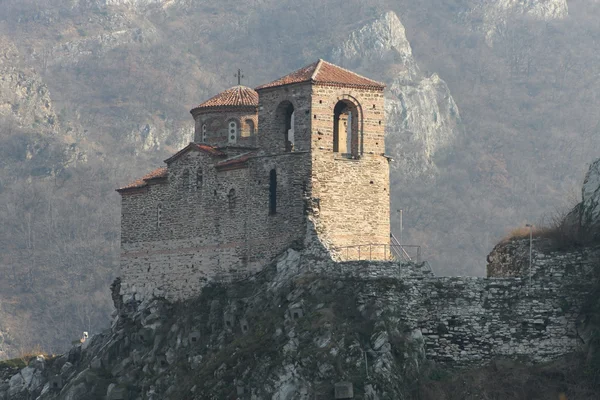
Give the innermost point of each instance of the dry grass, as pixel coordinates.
(560, 232)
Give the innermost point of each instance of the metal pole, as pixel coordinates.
(530, 250)
(401, 228)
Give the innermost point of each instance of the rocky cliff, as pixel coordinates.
(24, 97)
(422, 117)
(493, 16)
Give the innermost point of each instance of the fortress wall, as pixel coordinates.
(469, 321)
(194, 243)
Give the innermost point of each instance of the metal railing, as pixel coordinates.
(376, 251)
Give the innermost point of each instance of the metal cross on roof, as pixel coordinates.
(239, 76)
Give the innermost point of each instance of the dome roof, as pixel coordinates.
(237, 96)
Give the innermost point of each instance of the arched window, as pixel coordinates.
(199, 179)
(285, 119)
(158, 216)
(185, 180)
(345, 128)
(250, 124)
(290, 131)
(204, 133)
(231, 199)
(273, 192)
(232, 132)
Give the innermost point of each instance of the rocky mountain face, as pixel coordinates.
(590, 203)
(494, 16)
(24, 98)
(422, 117)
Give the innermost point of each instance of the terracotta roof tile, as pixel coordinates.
(195, 146)
(232, 97)
(325, 73)
(143, 182)
(236, 162)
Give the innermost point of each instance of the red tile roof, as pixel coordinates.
(232, 97)
(143, 182)
(325, 73)
(198, 147)
(234, 163)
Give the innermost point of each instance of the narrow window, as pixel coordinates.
(158, 216)
(250, 124)
(290, 132)
(231, 199)
(285, 124)
(199, 179)
(289, 129)
(273, 192)
(185, 180)
(233, 128)
(204, 133)
(345, 128)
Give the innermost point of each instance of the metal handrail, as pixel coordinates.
(372, 251)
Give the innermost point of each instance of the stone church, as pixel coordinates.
(302, 155)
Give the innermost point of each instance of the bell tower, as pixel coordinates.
(339, 119)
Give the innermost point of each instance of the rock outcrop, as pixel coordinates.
(422, 116)
(590, 199)
(492, 16)
(24, 97)
(382, 40)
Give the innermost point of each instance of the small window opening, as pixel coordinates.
(345, 128)
(203, 132)
(296, 316)
(250, 124)
(231, 199)
(199, 179)
(55, 385)
(159, 215)
(232, 132)
(185, 180)
(285, 116)
(194, 339)
(273, 192)
(228, 323)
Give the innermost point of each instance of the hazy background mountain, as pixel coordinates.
(492, 120)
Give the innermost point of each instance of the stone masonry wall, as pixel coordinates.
(352, 192)
(271, 118)
(205, 233)
(217, 128)
(469, 321)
